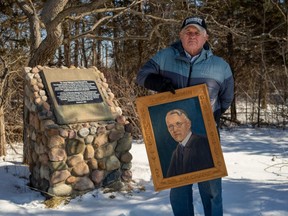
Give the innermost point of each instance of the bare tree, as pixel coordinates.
(2, 120)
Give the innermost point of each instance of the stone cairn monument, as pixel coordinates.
(75, 136)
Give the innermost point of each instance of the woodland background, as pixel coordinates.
(119, 36)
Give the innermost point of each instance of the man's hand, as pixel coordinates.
(167, 86)
(159, 83)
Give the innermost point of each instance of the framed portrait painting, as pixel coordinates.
(170, 120)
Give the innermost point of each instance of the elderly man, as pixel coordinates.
(187, 62)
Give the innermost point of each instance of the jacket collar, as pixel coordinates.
(206, 52)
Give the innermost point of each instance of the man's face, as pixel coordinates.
(178, 126)
(193, 40)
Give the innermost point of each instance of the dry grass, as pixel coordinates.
(56, 201)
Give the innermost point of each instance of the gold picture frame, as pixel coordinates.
(152, 110)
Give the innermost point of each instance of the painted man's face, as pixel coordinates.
(178, 126)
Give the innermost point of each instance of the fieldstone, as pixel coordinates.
(59, 176)
(40, 67)
(34, 121)
(105, 85)
(58, 165)
(34, 157)
(110, 126)
(61, 190)
(57, 154)
(37, 100)
(44, 185)
(64, 133)
(86, 124)
(27, 69)
(112, 177)
(71, 180)
(112, 163)
(48, 124)
(39, 148)
(52, 132)
(75, 146)
(93, 164)
(73, 160)
(113, 144)
(108, 89)
(83, 132)
(104, 92)
(115, 135)
(93, 130)
(33, 82)
(121, 120)
(89, 139)
(93, 124)
(33, 107)
(72, 134)
(44, 140)
(43, 159)
(83, 184)
(49, 114)
(36, 94)
(55, 141)
(104, 151)
(111, 96)
(97, 176)
(116, 185)
(124, 143)
(126, 157)
(42, 93)
(100, 140)
(126, 175)
(89, 152)
(109, 102)
(101, 130)
(80, 169)
(102, 164)
(35, 70)
(128, 128)
(119, 127)
(42, 115)
(40, 85)
(44, 172)
(33, 135)
(126, 166)
(37, 76)
(118, 110)
(44, 98)
(36, 171)
(46, 106)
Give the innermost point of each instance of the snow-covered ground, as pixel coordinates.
(257, 184)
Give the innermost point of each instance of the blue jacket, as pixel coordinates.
(173, 63)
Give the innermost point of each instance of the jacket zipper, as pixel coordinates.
(189, 77)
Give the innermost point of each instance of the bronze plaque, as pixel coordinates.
(77, 95)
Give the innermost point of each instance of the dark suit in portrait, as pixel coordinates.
(195, 156)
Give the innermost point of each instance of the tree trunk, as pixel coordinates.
(48, 47)
(76, 46)
(2, 133)
(26, 141)
(67, 51)
(230, 45)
